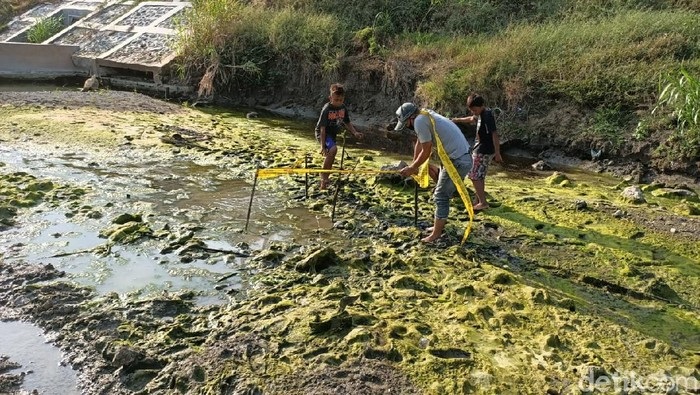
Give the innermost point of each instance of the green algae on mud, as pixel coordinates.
(555, 280)
(21, 190)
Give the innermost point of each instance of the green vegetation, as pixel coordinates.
(231, 42)
(603, 57)
(44, 29)
(682, 94)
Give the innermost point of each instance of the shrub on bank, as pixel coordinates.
(617, 61)
(229, 42)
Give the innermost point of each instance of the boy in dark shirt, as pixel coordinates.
(487, 146)
(334, 116)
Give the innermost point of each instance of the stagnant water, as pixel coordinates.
(25, 344)
(176, 191)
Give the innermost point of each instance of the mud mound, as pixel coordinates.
(104, 100)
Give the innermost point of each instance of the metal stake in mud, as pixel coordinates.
(342, 153)
(415, 204)
(306, 177)
(339, 184)
(250, 203)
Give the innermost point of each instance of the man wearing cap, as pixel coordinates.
(424, 123)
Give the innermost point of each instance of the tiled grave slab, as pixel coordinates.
(93, 43)
(145, 15)
(108, 14)
(148, 49)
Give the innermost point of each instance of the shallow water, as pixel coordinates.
(176, 192)
(25, 344)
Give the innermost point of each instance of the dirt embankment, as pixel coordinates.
(543, 126)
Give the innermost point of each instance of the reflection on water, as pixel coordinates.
(167, 193)
(24, 344)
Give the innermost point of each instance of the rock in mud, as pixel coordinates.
(633, 194)
(318, 260)
(541, 166)
(558, 178)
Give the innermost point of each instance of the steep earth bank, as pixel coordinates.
(543, 126)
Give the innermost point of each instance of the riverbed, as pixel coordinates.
(128, 249)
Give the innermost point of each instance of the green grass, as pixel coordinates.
(570, 59)
(230, 42)
(44, 29)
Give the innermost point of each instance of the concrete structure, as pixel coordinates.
(20, 60)
(124, 42)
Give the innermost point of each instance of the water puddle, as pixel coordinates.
(175, 192)
(25, 344)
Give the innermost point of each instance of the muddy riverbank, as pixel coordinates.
(565, 285)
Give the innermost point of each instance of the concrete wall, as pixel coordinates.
(28, 61)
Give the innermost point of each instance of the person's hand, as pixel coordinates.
(498, 158)
(323, 151)
(358, 135)
(408, 171)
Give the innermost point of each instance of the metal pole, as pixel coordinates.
(342, 153)
(250, 203)
(339, 184)
(335, 199)
(306, 176)
(415, 204)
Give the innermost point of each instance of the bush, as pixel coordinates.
(235, 44)
(570, 59)
(681, 93)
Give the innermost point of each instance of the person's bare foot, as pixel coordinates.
(430, 238)
(324, 184)
(481, 206)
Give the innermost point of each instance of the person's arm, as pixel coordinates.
(465, 120)
(354, 131)
(497, 146)
(490, 122)
(423, 151)
(321, 126)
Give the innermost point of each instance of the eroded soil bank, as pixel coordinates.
(565, 286)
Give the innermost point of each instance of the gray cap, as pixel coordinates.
(403, 113)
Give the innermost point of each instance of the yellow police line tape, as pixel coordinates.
(422, 178)
(454, 176)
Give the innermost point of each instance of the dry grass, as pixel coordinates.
(11, 8)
